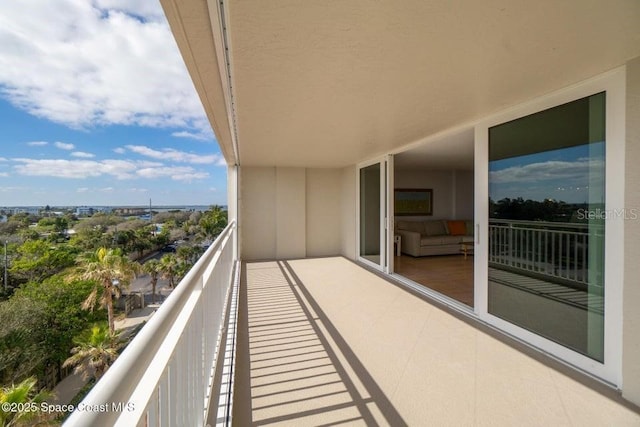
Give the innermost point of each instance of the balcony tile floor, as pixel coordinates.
(326, 342)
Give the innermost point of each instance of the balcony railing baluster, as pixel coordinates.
(166, 373)
(549, 248)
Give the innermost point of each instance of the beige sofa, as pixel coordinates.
(433, 237)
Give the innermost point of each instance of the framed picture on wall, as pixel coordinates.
(413, 202)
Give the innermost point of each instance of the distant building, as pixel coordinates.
(84, 211)
(27, 210)
(130, 211)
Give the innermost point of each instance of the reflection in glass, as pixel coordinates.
(370, 213)
(546, 223)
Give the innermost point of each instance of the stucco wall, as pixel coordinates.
(631, 291)
(324, 212)
(348, 234)
(257, 213)
(290, 212)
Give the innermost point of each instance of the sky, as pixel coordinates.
(572, 175)
(97, 108)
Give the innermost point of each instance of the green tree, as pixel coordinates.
(111, 271)
(187, 254)
(39, 323)
(38, 259)
(169, 266)
(63, 313)
(28, 399)
(213, 221)
(141, 240)
(96, 349)
(90, 239)
(22, 352)
(29, 234)
(21, 218)
(161, 238)
(153, 268)
(122, 239)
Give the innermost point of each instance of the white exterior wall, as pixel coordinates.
(631, 290)
(257, 213)
(348, 191)
(290, 212)
(324, 213)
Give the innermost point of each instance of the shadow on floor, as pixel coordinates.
(293, 366)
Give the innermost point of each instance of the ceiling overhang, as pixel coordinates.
(331, 83)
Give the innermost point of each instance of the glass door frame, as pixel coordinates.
(613, 83)
(386, 213)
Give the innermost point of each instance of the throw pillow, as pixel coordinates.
(457, 228)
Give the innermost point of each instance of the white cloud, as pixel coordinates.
(3, 159)
(37, 143)
(107, 190)
(119, 150)
(4, 174)
(103, 62)
(176, 173)
(119, 169)
(190, 176)
(64, 145)
(83, 154)
(82, 190)
(175, 155)
(576, 171)
(202, 136)
(57, 168)
(148, 164)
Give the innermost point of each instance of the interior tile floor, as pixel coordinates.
(325, 342)
(450, 275)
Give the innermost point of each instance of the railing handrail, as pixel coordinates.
(122, 378)
(549, 224)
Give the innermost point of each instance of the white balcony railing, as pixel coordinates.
(555, 250)
(165, 375)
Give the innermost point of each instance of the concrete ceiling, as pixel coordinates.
(329, 83)
(451, 152)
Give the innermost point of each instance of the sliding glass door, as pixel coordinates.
(373, 214)
(550, 214)
(546, 238)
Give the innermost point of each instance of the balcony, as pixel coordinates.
(324, 342)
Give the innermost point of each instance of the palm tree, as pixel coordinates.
(141, 240)
(169, 265)
(153, 268)
(111, 271)
(96, 349)
(213, 222)
(26, 400)
(188, 254)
